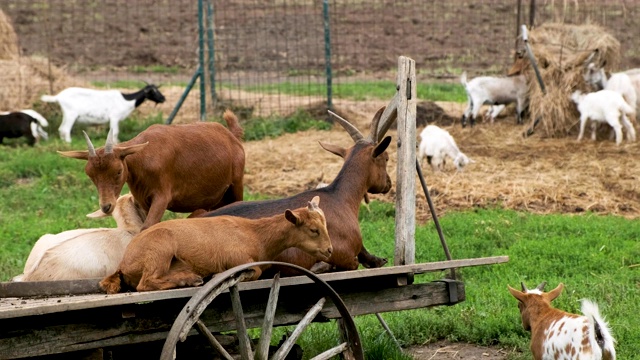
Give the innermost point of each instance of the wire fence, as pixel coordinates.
(280, 55)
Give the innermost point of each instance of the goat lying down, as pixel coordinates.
(85, 253)
(181, 252)
(556, 334)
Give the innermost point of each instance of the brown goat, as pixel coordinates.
(181, 168)
(182, 252)
(364, 170)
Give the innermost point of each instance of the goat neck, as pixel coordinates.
(139, 97)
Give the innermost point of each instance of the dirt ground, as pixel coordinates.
(445, 350)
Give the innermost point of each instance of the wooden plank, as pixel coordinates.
(405, 172)
(97, 328)
(48, 288)
(12, 307)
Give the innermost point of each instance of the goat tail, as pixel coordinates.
(49, 98)
(601, 330)
(463, 79)
(628, 109)
(112, 283)
(233, 124)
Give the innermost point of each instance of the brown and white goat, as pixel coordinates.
(181, 168)
(182, 252)
(364, 170)
(558, 335)
(85, 253)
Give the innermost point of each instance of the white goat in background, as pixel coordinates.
(85, 253)
(436, 144)
(494, 91)
(620, 82)
(95, 107)
(605, 106)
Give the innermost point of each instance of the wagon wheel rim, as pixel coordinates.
(228, 280)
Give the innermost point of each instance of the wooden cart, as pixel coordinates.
(74, 320)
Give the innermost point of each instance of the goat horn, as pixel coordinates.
(92, 150)
(541, 286)
(352, 130)
(108, 146)
(524, 287)
(374, 125)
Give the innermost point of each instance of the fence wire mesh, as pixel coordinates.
(271, 56)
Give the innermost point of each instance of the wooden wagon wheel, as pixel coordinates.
(351, 348)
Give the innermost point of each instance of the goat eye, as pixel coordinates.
(315, 231)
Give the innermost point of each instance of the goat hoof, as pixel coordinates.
(321, 267)
(374, 262)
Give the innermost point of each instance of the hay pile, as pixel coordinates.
(24, 79)
(562, 53)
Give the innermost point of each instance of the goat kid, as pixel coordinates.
(27, 123)
(181, 168)
(494, 91)
(96, 107)
(436, 144)
(364, 170)
(606, 106)
(85, 253)
(182, 252)
(558, 335)
(619, 82)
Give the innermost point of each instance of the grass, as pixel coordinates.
(596, 257)
(365, 90)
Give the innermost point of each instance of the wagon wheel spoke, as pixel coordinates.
(350, 348)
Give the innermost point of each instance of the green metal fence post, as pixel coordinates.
(203, 109)
(327, 52)
(210, 43)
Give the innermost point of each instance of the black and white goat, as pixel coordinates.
(96, 107)
(27, 123)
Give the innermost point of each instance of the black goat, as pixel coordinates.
(18, 124)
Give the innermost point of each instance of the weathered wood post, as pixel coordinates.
(406, 173)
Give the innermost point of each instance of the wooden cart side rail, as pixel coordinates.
(15, 307)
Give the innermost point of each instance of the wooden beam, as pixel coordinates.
(405, 173)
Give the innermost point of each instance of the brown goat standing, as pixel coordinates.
(181, 168)
(364, 170)
(182, 252)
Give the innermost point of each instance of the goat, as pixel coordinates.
(182, 252)
(85, 253)
(436, 144)
(618, 82)
(494, 91)
(181, 168)
(556, 334)
(96, 107)
(364, 170)
(27, 123)
(604, 106)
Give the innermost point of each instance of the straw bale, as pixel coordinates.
(562, 52)
(8, 39)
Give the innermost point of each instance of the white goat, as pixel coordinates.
(85, 253)
(605, 106)
(619, 82)
(493, 91)
(95, 107)
(558, 335)
(436, 144)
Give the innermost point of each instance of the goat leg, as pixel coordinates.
(369, 260)
(321, 267)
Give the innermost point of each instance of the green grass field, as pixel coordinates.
(596, 257)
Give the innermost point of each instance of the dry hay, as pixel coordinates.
(539, 175)
(8, 39)
(562, 53)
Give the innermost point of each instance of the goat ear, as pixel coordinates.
(97, 214)
(313, 204)
(334, 149)
(76, 154)
(517, 294)
(382, 146)
(289, 215)
(129, 150)
(551, 295)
